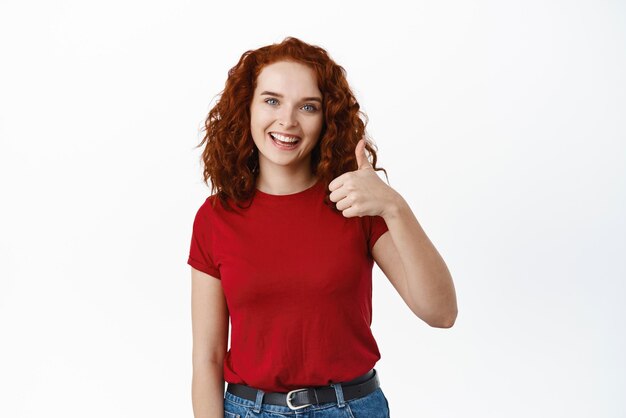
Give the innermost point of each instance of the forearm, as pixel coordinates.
(207, 391)
(428, 279)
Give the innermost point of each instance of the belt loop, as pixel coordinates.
(259, 400)
(339, 393)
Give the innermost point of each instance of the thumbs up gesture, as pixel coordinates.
(362, 192)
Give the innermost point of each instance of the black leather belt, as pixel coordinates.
(301, 398)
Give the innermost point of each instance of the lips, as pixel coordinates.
(284, 136)
(284, 145)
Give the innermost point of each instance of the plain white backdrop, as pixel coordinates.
(502, 123)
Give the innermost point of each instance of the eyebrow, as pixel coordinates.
(311, 99)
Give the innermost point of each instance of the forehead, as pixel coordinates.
(287, 78)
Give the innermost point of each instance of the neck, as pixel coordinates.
(285, 185)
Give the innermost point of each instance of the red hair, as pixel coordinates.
(230, 157)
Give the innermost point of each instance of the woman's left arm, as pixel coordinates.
(423, 279)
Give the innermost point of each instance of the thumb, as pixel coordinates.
(361, 157)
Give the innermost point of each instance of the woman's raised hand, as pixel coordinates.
(362, 192)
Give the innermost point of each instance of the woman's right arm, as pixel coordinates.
(209, 318)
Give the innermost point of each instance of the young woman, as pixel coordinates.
(284, 247)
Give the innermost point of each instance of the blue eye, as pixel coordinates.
(313, 108)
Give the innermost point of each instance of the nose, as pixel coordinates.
(287, 118)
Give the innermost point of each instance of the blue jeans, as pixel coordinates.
(373, 405)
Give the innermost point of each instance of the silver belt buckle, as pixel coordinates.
(289, 400)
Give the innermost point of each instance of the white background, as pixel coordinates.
(502, 123)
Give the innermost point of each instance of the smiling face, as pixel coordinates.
(286, 106)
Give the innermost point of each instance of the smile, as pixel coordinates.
(284, 142)
(284, 138)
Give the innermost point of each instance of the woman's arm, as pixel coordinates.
(423, 280)
(414, 266)
(207, 391)
(209, 317)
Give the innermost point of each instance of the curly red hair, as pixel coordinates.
(230, 158)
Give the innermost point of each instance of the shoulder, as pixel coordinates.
(214, 207)
(210, 204)
(206, 205)
(206, 209)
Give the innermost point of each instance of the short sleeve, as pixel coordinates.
(376, 227)
(200, 251)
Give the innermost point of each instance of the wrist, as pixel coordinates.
(394, 206)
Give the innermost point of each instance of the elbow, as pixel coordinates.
(437, 317)
(446, 321)
(443, 324)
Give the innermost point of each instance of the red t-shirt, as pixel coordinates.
(297, 278)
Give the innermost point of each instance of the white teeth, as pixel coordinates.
(283, 138)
